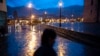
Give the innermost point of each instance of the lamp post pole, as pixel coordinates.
(45, 16)
(60, 5)
(30, 6)
(60, 17)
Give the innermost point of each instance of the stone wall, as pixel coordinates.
(84, 38)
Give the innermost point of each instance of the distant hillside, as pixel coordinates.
(76, 10)
(22, 11)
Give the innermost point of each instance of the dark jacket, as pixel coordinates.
(45, 51)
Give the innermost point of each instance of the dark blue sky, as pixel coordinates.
(43, 4)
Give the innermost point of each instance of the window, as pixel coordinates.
(1, 1)
(91, 2)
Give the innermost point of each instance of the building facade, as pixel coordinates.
(3, 16)
(99, 9)
(3, 28)
(91, 11)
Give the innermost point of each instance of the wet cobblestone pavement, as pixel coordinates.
(24, 40)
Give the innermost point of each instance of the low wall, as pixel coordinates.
(87, 39)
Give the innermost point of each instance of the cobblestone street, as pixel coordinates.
(24, 40)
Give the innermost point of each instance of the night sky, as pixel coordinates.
(43, 4)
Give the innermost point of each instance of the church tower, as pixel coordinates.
(91, 11)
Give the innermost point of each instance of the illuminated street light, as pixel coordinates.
(30, 5)
(45, 16)
(72, 16)
(45, 12)
(32, 16)
(60, 5)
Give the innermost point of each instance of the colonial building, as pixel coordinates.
(91, 11)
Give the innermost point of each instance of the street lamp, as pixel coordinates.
(72, 16)
(32, 16)
(60, 5)
(45, 12)
(45, 16)
(30, 6)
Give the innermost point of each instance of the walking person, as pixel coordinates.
(47, 41)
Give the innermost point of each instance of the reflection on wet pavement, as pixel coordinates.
(69, 48)
(24, 40)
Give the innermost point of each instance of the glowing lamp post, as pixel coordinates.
(45, 12)
(60, 5)
(32, 16)
(45, 16)
(30, 6)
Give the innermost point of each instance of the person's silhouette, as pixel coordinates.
(47, 41)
